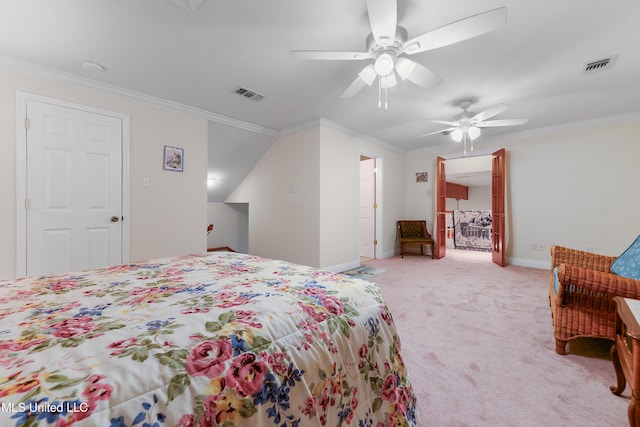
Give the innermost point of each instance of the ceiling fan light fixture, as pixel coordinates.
(404, 67)
(388, 81)
(474, 132)
(384, 64)
(457, 134)
(368, 75)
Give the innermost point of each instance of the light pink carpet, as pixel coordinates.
(478, 342)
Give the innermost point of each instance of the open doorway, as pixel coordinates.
(368, 206)
(470, 205)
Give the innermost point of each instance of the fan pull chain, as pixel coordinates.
(386, 95)
(465, 142)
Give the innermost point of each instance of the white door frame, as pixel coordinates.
(378, 229)
(21, 171)
(370, 192)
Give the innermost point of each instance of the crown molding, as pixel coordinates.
(300, 126)
(50, 74)
(569, 126)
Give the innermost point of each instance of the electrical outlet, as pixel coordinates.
(534, 246)
(540, 247)
(590, 248)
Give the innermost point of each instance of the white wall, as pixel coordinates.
(230, 226)
(282, 191)
(317, 222)
(339, 197)
(479, 199)
(167, 218)
(574, 187)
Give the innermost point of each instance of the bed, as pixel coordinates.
(217, 339)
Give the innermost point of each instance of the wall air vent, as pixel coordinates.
(249, 94)
(599, 65)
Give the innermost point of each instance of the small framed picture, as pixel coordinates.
(173, 159)
(422, 176)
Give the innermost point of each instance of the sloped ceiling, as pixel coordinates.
(198, 57)
(233, 152)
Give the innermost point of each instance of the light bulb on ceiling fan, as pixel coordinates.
(457, 134)
(474, 132)
(384, 64)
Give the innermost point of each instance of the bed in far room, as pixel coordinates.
(473, 230)
(218, 339)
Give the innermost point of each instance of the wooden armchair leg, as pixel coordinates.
(561, 347)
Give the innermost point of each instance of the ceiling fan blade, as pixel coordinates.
(366, 77)
(416, 73)
(505, 122)
(329, 55)
(457, 31)
(445, 122)
(383, 18)
(438, 131)
(490, 112)
(356, 86)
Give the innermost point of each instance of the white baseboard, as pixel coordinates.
(343, 267)
(388, 254)
(522, 262)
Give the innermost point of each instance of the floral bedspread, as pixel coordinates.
(219, 339)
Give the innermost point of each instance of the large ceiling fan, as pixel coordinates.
(466, 126)
(388, 44)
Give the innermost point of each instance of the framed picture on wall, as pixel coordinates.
(422, 176)
(173, 159)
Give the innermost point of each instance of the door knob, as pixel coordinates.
(115, 219)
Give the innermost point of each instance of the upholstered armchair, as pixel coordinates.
(414, 232)
(581, 291)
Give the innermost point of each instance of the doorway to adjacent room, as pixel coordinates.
(493, 172)
(368, 208)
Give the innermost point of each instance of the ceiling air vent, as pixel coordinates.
(599, 65)
(249, 94)
(189, 5)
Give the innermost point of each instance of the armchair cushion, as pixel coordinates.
(628, 264)
(411, 230)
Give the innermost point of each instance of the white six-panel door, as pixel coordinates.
(73, 189)
(367, 210)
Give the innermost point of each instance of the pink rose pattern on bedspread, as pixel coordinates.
(219, 339)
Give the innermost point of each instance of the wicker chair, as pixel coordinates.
(582, 300)
(414, 232)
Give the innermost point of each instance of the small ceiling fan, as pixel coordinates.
(388, 44)
(466, 125)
